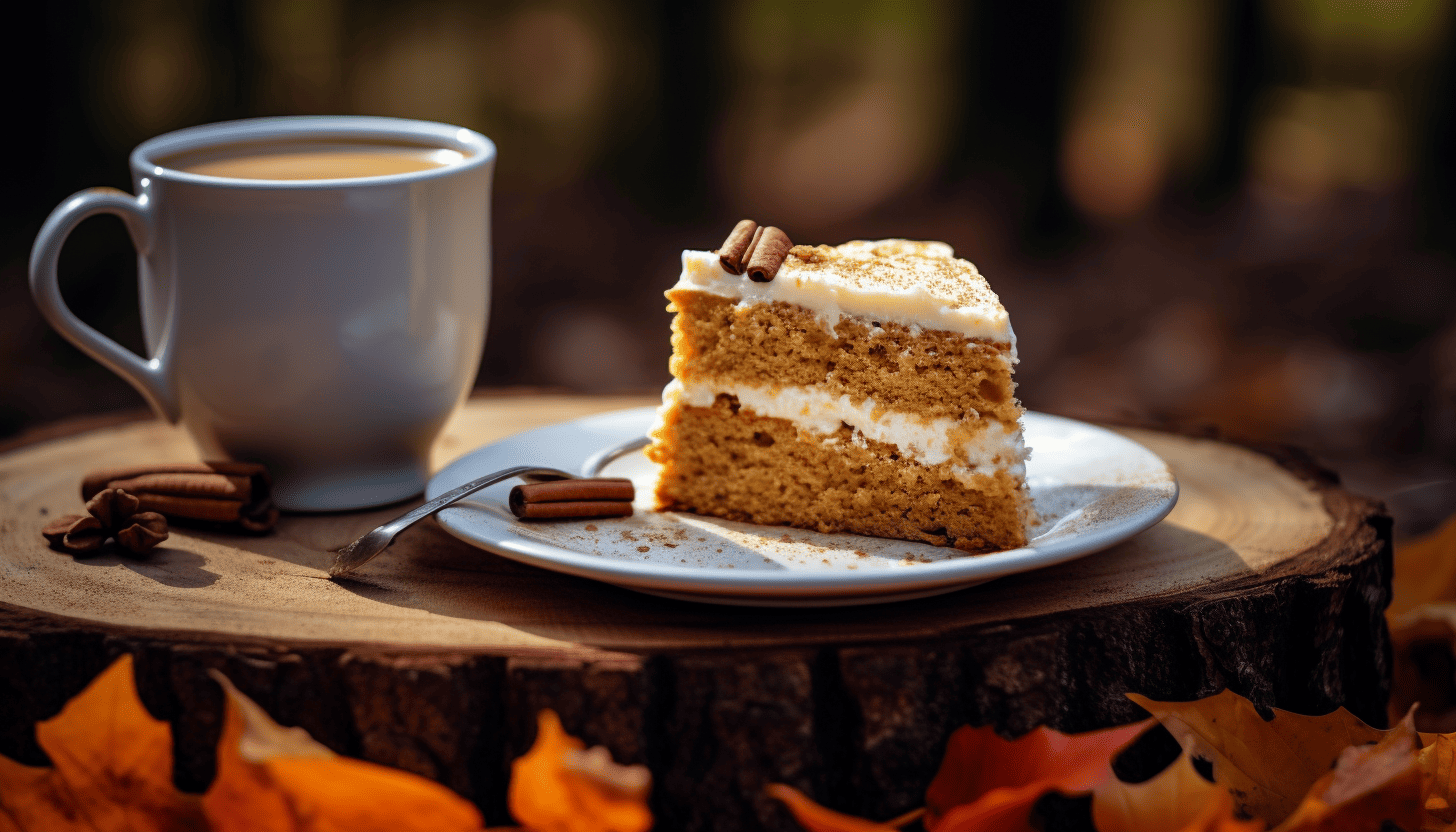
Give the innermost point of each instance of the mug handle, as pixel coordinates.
(151, 377)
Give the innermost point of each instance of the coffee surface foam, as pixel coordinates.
(293, 161)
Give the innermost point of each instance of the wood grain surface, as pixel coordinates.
(1267, 578)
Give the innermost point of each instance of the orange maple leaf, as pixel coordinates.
(1369, 786)
(817, 818)
(1267, 766)
(988, 783)
(1178, 799)
(1438, 781)
(276, 779)
(111, 767)
(561, 786)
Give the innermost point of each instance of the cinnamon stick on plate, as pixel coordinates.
(607, 497)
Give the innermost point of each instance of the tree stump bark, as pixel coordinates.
(1267, 579)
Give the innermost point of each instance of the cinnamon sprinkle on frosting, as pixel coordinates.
(906, 281)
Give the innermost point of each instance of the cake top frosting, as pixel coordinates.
(905, 281)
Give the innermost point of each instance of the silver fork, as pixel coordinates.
(359, 552)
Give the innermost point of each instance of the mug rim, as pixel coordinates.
(478, 150)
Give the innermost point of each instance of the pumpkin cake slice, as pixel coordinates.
(861, 388)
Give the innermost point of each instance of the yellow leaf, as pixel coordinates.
(1178, 799)
(816, 818)
(1371, 787)
(111, 767)
(1267, 766)
(276, 779)
(559, 786)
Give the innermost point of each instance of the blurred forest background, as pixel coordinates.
(1234, 213)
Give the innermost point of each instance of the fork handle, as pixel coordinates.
(531, 472)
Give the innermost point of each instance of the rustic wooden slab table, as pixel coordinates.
(1267, 578)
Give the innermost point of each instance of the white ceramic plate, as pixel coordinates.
(1092, 488)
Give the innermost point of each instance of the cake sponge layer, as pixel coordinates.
(727, 461)
(932, 373)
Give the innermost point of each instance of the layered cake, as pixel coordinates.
(862, 388)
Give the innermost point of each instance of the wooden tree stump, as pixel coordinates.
(1267, 579)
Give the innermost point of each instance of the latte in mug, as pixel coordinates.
(312, 160)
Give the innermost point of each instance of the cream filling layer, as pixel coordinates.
(996, 447)
(830, 299)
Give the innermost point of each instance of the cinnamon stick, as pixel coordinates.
(176, 484)
(219, 492)
(193, 508)
(252, 471)
(586, 508)
(752, 245)
(734, 250)
(771, 247)
(559, 491)
(605, 497)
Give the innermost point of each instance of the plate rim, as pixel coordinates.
(787, 584)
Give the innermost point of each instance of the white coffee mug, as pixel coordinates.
(323, 327)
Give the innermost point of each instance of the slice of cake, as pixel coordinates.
(862, 388)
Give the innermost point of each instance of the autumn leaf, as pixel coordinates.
(1438, 781)
(1003, 810)
(816, 818)
(1425, 570)
(988, 783)
(111, 767)
(1424, 642)
(1423, 627)
(33, 798)
(1267, 766)
(276, 779)
(1370, 786)
(1178, 799)
(561, 786)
